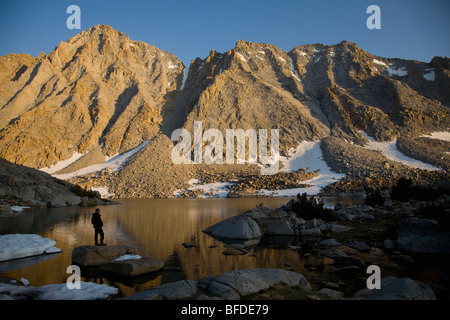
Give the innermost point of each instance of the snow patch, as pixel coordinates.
(390, 151)
(15, 246)
(128, 257)
(87, 291)
(379, 62)
(308, 155)
(294, 72)
(302, 53)
(185, 76)
(104, 192)
(210, 190)
(430, 75)
(392, 70)
(172, 66)
(441, 135)
(62, 164)
(241, 57)
(19, 208)
(113, 163)
(395, 71)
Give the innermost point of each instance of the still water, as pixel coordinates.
(156, 228)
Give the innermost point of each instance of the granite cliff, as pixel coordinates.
(100, 95)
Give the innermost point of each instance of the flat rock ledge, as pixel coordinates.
(97, 255)
(133, 267)
(104, 256)
(232, 285)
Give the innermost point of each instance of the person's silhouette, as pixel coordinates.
(98, 224)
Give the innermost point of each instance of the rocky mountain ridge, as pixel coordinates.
(101, 94)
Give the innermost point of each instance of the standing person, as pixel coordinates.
(98, 224)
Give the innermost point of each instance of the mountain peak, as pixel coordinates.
(100, 93)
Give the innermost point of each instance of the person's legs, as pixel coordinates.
(102, 235)
(96, 236)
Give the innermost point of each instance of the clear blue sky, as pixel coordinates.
(410, 29)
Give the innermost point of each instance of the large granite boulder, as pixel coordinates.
(231, 285)
(238, 283)
(244, 229)
(98, 255)
(393, 288)
(422, 236)
(133, 267)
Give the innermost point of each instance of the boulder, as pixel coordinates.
(243, 229)
(276, 226)
(341, 258)
(422, 236)
(361, 246)
(238, 283)
(330, 243)
(313, 232)
(97, 255)
(334, 227)
(133, 267)
(330, 294)
(182, 289)
(393, 288)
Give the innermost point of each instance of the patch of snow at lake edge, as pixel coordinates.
(19, 208)
(15, 246)
(104, 192)
(87, 291)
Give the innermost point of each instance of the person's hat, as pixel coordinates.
(97, 210)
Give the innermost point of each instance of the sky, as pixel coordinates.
(410, 29)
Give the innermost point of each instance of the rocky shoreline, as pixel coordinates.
(401, 237)
(26, 188)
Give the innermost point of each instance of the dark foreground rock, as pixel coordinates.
(98, 255)
(393, 288)
(133, 267)
(232, 285)
(422, 236)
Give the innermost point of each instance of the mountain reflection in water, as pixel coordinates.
(156, 228)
